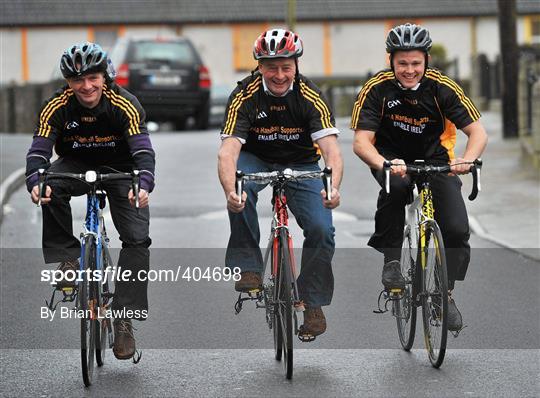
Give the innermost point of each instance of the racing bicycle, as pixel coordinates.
(423, 263)
(92, 297)
(279, 295)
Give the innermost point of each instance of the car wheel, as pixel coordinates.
(202, 117)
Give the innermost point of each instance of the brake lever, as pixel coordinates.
(386, 167)
(135, 183)
(477, 187)
(239, 184)
(326, 176)
(42, 188)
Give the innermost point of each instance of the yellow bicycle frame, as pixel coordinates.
(427, 213)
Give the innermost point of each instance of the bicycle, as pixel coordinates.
(93, 297)
(279, 295)
(423, 263)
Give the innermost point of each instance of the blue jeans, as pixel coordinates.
(316, 281)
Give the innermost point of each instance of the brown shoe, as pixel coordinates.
(124, 341)
(248, 281)
(65, 266)
(314, 324)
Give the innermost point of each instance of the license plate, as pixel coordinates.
(160, 80)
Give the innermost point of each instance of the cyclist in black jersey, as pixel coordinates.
(409, 113)
(94, 124)
(276, 119)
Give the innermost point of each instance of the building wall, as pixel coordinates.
(358, 48)
(455, 35)
(149, 31)
(335, 48)
(487, 37)
(45, 47)
(10, 55)
(214, 43)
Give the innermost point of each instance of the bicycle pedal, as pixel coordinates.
(253, 293)
(306, 338)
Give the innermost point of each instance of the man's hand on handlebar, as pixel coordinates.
(460, 166)
(233, 202)
(334, 202)
(143, 198)
(34, 194)
(398, 168)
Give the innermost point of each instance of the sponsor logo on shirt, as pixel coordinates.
(261, 115)
(390, 104)
(71, 125)
(409, 124)
(88, 119)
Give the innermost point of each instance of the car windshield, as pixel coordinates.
(163, 51)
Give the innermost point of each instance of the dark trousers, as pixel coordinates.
(450, 214)
(59, 244)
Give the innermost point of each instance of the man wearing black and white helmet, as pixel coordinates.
(276, 119)
(409, 113)
(94, 124)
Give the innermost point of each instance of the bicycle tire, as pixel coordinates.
(405, 308)
(435, 295)
(278, 336)
(276, 321)
(103, 325)
(285, 302)
(87, 297)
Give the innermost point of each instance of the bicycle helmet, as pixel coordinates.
(408, 37)
(83, 58)
(277, 43)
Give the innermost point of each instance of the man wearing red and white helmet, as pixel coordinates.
(276, 119)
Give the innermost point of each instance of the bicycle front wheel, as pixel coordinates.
(283, 299)
(103, 325)
(405, 308)
(88, 301)
(435, 294)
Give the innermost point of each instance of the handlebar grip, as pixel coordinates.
(239, 184)
(327, 182)
(386, 168)
(42, 188)
(477, 187)
(135, 185)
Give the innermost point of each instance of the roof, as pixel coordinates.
(84, 12)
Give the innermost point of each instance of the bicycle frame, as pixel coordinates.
(280, 220)
(419, 212)
(94, 225)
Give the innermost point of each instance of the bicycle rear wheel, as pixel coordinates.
(435, 294)
(87, 303)
(284, 302)
(405, 308)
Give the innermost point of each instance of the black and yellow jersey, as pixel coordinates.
(279, 129)
(413, 124)
(114, 132)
